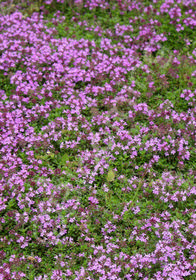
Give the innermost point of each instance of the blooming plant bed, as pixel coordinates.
(97, 140)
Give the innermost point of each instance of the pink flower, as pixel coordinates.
(93, 200)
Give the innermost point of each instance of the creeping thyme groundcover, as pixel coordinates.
(98, 140)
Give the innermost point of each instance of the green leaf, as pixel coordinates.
(64, 159)
(110, 176)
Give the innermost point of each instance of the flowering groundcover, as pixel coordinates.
(98, 140)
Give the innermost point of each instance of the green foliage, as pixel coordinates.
(5, 84)
(113, 200)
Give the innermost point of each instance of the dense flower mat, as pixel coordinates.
(97, 141)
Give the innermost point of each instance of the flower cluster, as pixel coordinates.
(119, 101)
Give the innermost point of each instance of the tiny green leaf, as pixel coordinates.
(110, 176)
